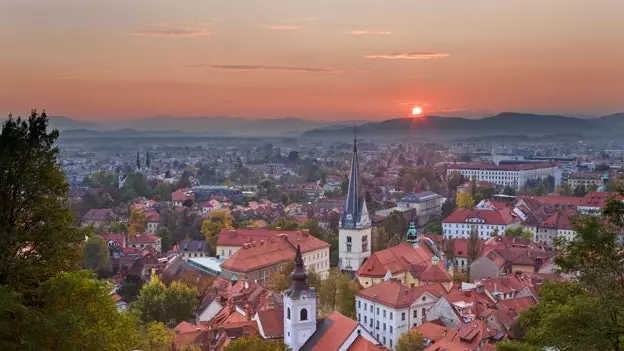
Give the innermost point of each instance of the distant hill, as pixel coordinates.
(507, 123)
(214, 126)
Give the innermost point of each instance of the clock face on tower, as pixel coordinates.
(349, 216)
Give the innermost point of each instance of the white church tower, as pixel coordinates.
(299, 308)
(354, 234)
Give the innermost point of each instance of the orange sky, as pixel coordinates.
(322, 59)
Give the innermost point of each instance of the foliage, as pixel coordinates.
(284, 224)
(381, 240)
(474, 247)
(162, 192)
(411, 341)
(511, 345)
(219, 220)
(449, 249)
(200, 282)
(158, 337)
(434, 227)
(165, 238)
(603, 167)
(337, 293)
(509, 191)
(135, 186)
(118, 227)
(170, 305)
(580, 191)
(138, 220)
(257, 344)
(586, 312)
(96, 254)
(102, 180)
(519, 232)
(281, 281)
(395, 240)
(447, 208)
(395, 223)
(79, 308)
(130, 287)
(464, 200)
(564, 189)
(37, 236)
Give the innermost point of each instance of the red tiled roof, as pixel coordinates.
(239, 237)
(143, 238)
(153, 217)
(434, 332)
(340, 329)
(503, 284)
(272, 322)
(394, 259)
(562, 219)
(435, 273)
(116, 238)
(493, 167)
(182, 195)
(502, 217)
(362, 344)
(446, 345)
(99, 215)
(394, 294)
(270, 252)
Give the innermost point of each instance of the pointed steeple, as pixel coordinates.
(148, 162)
(354, 214)
(299, 276)
(138, 162)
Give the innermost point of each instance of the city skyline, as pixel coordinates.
(315, 60)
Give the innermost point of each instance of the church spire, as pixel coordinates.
(352, 206)
(138, 162)
(299, 276)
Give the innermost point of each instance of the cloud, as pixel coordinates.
(409, 56)
(282, 27)
(368, 32)
(271, 68)
(173, 30)
(300, 19)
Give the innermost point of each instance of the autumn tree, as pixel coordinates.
(158, 337)
(96, 255)
(464, 200)
(257, 344)
(219, 220)
(411, 341)
(519, 232)
(449, 249)
(203, 284)
(138, 220)
(337, 293)
(380, 239)
(169, 305)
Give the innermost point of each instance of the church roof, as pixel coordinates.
(355, 214)
(299, 277)
(331, 333)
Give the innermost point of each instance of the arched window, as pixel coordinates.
(303, 315)
(288, 313)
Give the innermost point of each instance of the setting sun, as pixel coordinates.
(417, 111)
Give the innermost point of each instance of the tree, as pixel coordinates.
(158, 337)
(165, 238)
(138, 220)
(211, 227)
(586, 312)
(395, 223)
(509, 191)
(200, 282)
(494, 233)
(281, 281)
(447, 208)
(130, 287)
(580, 191)
(434, 227)
(449, 249)
(170, 305)
(381, 240)
(474, 247)
(293, 156)
(37, 236)
(96, 255)
(337, 293)
(257, 344)
(80, 308)
(162, 192)
(564, 189)
(464, 200)
(118, 227)
(395, 240)
(519, 232)
(411, 341)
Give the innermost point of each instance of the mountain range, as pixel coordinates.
(507, 123)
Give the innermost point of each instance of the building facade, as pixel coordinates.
(514, 175)
(461, 222)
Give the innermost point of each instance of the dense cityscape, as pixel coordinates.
(306, 244)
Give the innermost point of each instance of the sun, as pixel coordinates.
(417, 111)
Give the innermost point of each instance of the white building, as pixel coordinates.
(515, 176)
(390, 309)
(460, 223)
(354, 234)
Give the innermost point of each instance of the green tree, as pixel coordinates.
(586, 312)
(118, 227)
(257, 344)
(281, 281)
(509, 191)
(165, 238)
(381, 239)
(158, 337)
(96, 255)
(580, 191)
(447, 208)
(411, 341)
(395, 223)
(102, 180)
(170, 305)
(37, 236)
(162, 192)
(130, 287)
(337, 293)
(449, 249)
(519, 232)
(434, 227)
(79, 314)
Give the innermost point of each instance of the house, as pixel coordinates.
(153, 221)
(507, 260)
(461, 222)
(390, 308)
(461, 306)
(182, 196)
(193, 248)
(315, 251)
(260, 260)
(114, 241)
(145, 240)
(98, 217)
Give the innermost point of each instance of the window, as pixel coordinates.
(303, 315)
(384, 313)
(403, 316)
(384, 340)
(415, 314)
(348, 240)
(390, 343)
(378, 311)
(365, 319)
(384, 327)
(288, 313)
(390, 315)
(358, 317)
(377, 325)
(423, 312)
(359, 304)
(364, 306)
(371, 309)
(390, 329)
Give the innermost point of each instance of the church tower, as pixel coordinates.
(299, 308)
(354, 233)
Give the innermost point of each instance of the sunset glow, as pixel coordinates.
(417, 111)
(309, 59)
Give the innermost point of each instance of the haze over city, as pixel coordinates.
(323, 60)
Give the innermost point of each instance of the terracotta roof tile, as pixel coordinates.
(239, 237)
(272, 322)
(333, 332)
(362, 344)
(435, 273)
(491, 217)
(434, 332)
(394, 294)
(394, 259)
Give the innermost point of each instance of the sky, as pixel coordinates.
(315, 59)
